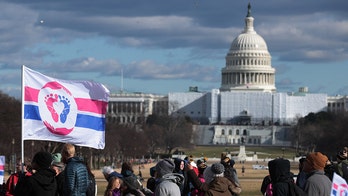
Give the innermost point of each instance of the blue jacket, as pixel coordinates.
(76, 177)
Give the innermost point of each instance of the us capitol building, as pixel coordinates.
(245, 109)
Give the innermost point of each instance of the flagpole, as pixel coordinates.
(22, 119)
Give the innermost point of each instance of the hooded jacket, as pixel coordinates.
(41, 183)
(220, 186)
(279, 170)
(169, 185)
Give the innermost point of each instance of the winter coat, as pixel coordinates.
(60, 184)
(220, 186)
(12, 182)
(76, 177)
(282, 179)
(169, 185)
(318, 184)
(265, 183)
(279, 170)
(41, 183)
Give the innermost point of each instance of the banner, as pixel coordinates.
(64, 111)
(339, 186)
(2, 168)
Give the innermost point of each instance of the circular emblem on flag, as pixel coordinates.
(342, 190)
(57, 108)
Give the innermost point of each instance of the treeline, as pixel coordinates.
(323, 131)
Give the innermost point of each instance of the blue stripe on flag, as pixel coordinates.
(90, 122)
(1, 173)
(82, 120)
(31, 112)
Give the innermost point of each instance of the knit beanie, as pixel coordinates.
(217, 168)
(57, 157)
(43, 159)
(164, 167)
(317, 160)
(208, 175)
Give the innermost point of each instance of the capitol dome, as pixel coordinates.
(248, 62)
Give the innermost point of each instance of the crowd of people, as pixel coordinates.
(67, 174)
(52, 175)
(314, 178)
(176, 177)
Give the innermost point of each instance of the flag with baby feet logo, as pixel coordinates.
(64, 110)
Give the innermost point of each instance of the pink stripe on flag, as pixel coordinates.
(2, 167)
(31, 94)
(89, 105)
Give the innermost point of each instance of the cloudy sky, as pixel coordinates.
(164, 46)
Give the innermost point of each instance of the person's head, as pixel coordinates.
(301, 163)
(315, 161)
(153, 171)
(107, 170)
(342, 154)
(163, 167)
(58, 167)
(130, 183)
(179, 164)
(279, 169)
(19, 165)
(214, 171)
(127, 166)
(201, 166)
(218, 169)
(42, 160)
(68, 152)
(114, 183)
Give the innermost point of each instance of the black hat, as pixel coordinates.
(43, 159)
(132, 183)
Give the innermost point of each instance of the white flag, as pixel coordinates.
(64, 111)
(339, 186)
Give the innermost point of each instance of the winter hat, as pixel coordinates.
(132, 183)
(317, 160)
(208, 175)
(107, 170)
(57, 157)
(42, 159)
(217, 168)
(164, 167)
(57, 160)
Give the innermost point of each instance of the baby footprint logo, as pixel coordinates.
(50, 101)
(66, 109)
(57, 108)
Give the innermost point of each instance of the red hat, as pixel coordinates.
(317, 160)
